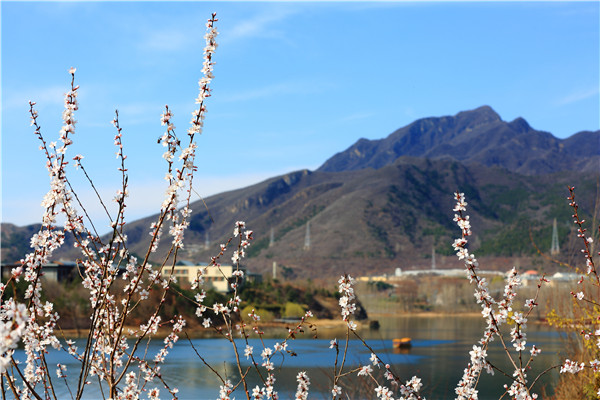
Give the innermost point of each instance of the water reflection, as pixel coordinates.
(439, 354)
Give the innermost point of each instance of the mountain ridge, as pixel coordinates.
(475, 136)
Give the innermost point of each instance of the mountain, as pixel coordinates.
(369, 221)
(372, 214)
(377, 220)
(15, 240)
(477, 136)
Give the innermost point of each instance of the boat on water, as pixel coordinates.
(403, 343)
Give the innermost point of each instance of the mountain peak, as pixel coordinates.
(473, 136)
(483, 114)
(520, 125)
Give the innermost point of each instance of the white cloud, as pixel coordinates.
(50, 95)
(185, 36)
(577, 96)
(260, 25)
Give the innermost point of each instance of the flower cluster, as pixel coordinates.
(408, 391)
(225, 390)
(107, 354)
(571, 367)
(495, 313)
(303, 384)
(346, 301)
(581, 233)
(34, 322)
(13, 320)
(587, 300)
(411, 389)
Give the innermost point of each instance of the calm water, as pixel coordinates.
(438, 356)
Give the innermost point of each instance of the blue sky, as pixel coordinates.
(294, 83)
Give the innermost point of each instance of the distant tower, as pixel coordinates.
(554, 250)
(307, 237)
(272, 239)
(274, 270)
(433, 258)
(206, 241)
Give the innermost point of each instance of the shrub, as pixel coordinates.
(262, 314)
(293, 310)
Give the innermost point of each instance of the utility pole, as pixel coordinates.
(554, 250)
(307, 237)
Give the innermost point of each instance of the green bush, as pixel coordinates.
(265, 315)
(293, 310)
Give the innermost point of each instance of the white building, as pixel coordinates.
(217, 278)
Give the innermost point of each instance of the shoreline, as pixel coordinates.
(196, 331)
(424, 314)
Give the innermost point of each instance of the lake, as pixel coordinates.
(439, 355)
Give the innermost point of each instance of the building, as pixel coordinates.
(564, 277)
(57, 271)
(217, 278)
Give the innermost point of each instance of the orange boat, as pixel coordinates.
(403, 343)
